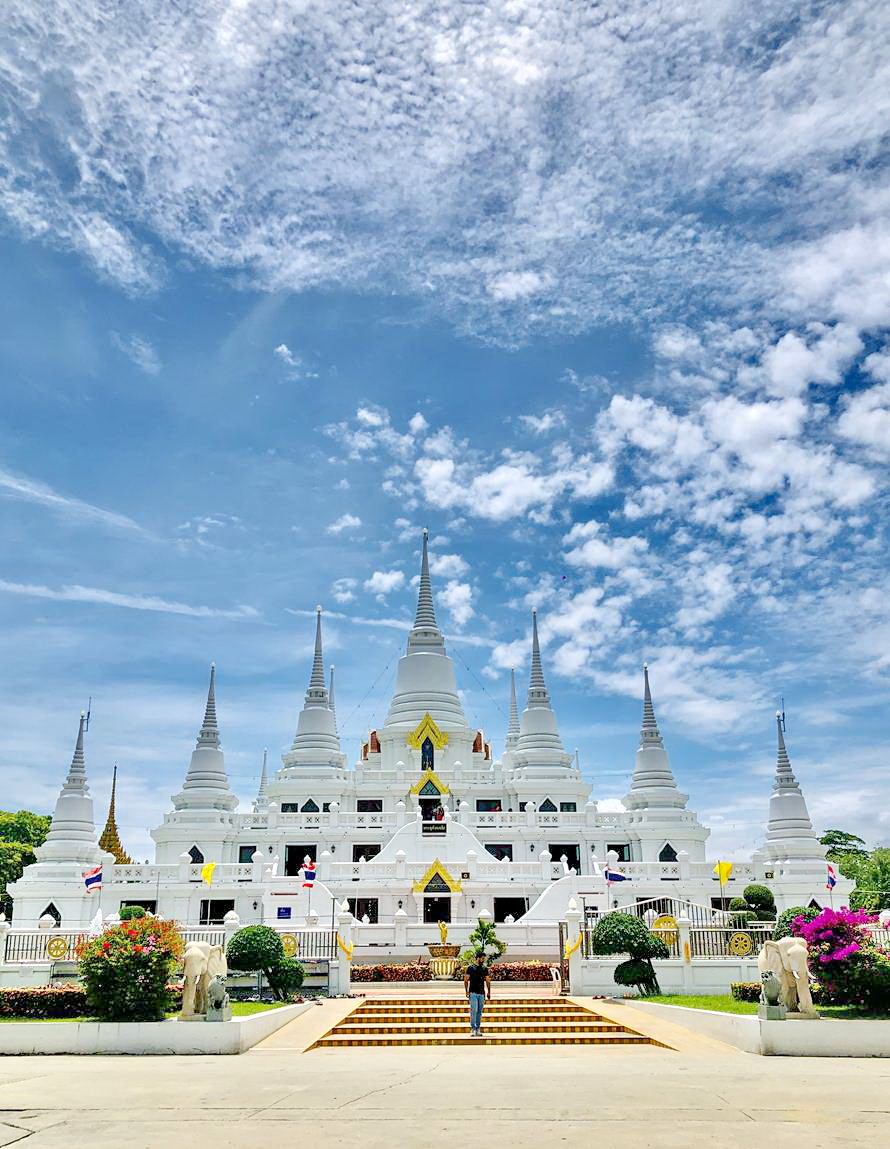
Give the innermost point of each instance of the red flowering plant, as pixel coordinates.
(125, 970)
(844, 962)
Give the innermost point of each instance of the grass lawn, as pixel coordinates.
(725, 1003)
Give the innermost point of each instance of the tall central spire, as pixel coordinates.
(316, 679)
(538, 694)
(784, 773)
(426, 610)
(513, 721)
(72, 834)
(209, 732)
(538, 733)
(649, 733)
(315, 743)
(789, 832)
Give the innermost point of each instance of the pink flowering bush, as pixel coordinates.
(845, 963)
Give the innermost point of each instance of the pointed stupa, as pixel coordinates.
(653, 783)
(425, 680)
(316, 742)
(789, 832)
(206, 785)
(110, 840)
(513, 721)
(72, 834)
(261, 802)
(331, 701)
(539, 738)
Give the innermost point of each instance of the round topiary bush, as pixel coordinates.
(286, 977)
(128, 913)
(125, 970)
(738, 904)
(617, 933)
(255, 948)
(760, 900)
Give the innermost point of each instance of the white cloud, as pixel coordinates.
(140, 350)
(417, 424)
(383, 583)
(513, 285)
(594, 551)
(342, 589)
(346, 522)
(457, 598)
(793, 363)
(34, 491)
(542, 424)
(296, 368)
(448, 565)
(101, 597)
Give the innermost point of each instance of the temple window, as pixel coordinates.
(310, 806)
(196, 856)
(213, 910)
(488, 805)
(500, 850)
(366, 850)
(547, 807)
(53, 913)
(245, 854)
(427, 754)
(369, 805)
(568, 807)
(571, 851)
(622, 849)
(667, 853)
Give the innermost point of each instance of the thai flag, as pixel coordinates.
(614, 875)
(92, 879)
(309, 875)
(832, 877)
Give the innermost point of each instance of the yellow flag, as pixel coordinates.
(723, 870)
(207, 872)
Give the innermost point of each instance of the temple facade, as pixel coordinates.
(428, 826)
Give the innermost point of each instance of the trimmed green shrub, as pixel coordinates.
(741, 918)
(617, 933)
(759, 898)
(128, 913)
(738, 904)
(286, 977)
(745, 990)
(259, 949)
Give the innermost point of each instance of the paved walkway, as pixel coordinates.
(528, 1098)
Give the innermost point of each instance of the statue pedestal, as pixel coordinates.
(771, 1012)
(443, 961)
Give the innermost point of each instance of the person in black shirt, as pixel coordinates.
(477, 983)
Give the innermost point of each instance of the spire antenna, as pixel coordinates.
(649, 733)
(513, 728)
(209, 732)
(536, 679)
(425, 618)
(316, 679)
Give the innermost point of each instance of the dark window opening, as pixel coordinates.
(310, 806)
(720, 903)
(293, 858)
(488, 805)
(622, 849)
(361, 906)
(427, 754)
(568, 807)
(572, 854)
(547, 807)
(213, 910)
(290, 807)
(500, 850)
(366, 850)
(509, 908)
(436, 909)
(245, 854)
(325, 807)
(196, 856)
(369, 805)
(53, 913)
(667, 853)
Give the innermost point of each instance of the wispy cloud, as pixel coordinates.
(346, 522)
(100, 597)
(34, 491)
(140, 350)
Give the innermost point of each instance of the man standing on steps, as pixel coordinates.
(477, 983)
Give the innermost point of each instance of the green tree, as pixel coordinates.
(872, 877)
(842, 845)
(20, 832)
(259, 948)
(618, 933)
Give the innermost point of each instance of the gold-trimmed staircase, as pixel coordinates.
(506, 1021)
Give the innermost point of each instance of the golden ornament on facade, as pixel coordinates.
(740, 945)
(57, 948)
(289, 944)
(666, 927)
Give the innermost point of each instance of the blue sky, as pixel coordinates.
(599, 295)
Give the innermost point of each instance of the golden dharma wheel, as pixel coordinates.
(289, 944)
(666, 928)
(57, 948)
(740, 945)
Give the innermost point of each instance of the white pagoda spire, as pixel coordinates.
(72, 834)
(206, 785)
(538, 733)
(513, 721)
(425, 680)
(261, 801)
(789, 832)
(316, 742)
(331, 702)
(653, 784)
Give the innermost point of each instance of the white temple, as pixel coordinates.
(427, 826)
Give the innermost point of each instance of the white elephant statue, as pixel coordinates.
(201, 963)
(786, 960)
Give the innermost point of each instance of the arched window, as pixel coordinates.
(310, 806)
(53, 913)
(427, 753)
(668, 853)
(196, 856)
(547, 807)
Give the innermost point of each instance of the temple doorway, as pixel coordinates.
(437, 909)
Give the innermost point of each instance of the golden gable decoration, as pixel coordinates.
(436, 870)
(427, 729)
(429, 777)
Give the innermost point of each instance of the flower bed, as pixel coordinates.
(420, 971)
(44, 1002)
(522, 971)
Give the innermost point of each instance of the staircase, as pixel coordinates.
(506, 1021)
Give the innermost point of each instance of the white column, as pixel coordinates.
(185, 862)
(472, 859)
(231, 924)
(5, 927)
(334, 815)
(400, 812)
(530, 819)
(256, 873)
(400, 922)
(573, 933)
(545, 860)
(401, 858)
(683, 864)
